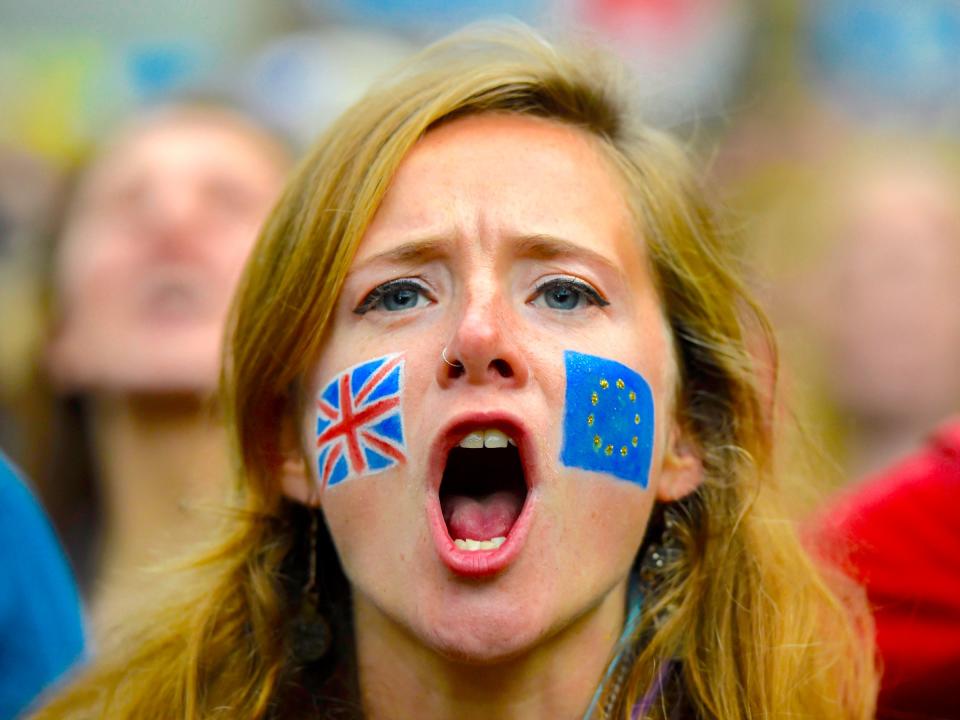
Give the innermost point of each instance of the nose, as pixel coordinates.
(486, 346)
(171, 219)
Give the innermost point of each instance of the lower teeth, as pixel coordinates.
(472, 545)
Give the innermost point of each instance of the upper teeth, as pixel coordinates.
(491, 438)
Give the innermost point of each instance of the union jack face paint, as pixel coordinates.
(359, 421)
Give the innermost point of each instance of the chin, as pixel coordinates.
(488, 643)
(168, 376)
(184, 364)
(484, 631)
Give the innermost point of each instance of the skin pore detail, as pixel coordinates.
(360, 421)
(608, 418)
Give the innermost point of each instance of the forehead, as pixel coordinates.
(492, 176)
(899, 182)
(186, 142)
(906, 205)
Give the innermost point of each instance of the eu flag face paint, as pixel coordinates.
(359, 421)
(608, 420)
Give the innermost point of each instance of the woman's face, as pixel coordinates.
(507, 241)
(153, 246)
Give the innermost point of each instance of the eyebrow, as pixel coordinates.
(416, 252)
(548, 247)
(538, 246)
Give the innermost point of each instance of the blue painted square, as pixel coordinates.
(608, 418)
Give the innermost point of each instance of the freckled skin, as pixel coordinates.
(475, 185)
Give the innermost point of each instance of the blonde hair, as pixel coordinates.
(749, 623)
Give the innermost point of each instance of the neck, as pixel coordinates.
(160, 460)
(399, 677)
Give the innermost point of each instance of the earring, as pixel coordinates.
(661, 554)
(312, 636)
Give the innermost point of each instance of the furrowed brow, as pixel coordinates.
(409, 254)
(548, 247)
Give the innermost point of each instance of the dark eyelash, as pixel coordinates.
(374, 296)
(574, 284)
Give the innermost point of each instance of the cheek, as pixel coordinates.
(234, 246)
(355, 422)
(364, 514)
(93, 265)
(609, 421)
(598, 524)
(616, 518)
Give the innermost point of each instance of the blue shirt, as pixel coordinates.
(41, 630)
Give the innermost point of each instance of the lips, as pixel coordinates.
(481, 494)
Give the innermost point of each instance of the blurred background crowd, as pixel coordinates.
(831, 127)
(141, 144)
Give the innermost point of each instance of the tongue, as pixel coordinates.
(481, 518)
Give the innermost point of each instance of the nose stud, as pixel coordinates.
(443, 355)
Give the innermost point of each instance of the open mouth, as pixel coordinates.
(483, 490)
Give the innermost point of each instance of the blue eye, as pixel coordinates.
(394, 296)
(567, 294)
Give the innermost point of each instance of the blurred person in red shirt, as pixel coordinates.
(899, 534)
(883, 304)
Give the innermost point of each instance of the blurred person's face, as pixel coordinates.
(507, 241)
(894, 307)
(153, 246)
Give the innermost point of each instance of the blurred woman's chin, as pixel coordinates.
(176, 361)
(173, 380)
(156, 376)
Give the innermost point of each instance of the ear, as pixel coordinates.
(682, 470)
(296, 481)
